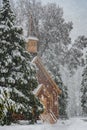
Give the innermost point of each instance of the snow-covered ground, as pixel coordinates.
(71, 124)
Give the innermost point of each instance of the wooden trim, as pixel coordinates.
(42, 86)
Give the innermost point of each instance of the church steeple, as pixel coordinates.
(32, 40)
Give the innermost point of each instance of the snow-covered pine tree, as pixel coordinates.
(63, 97)
(7, 106)
(17, 73)
(50, 60)
(54, 29)
(84, 91)
(74, 57)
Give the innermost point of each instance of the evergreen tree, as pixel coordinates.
(63, 97)
(84, 91)
(17, 73)
(7, 106)
(50, 60)
(74, 57)
(54, 29)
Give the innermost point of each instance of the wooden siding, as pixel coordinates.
(49, 87)
(32, 46)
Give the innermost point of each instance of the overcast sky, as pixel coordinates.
(75, 11)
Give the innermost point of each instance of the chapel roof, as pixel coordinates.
(38, 62)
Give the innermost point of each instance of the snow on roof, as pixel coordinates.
(32, 38)
(34, 59)
(36, 90)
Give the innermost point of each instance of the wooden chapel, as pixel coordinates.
(47, 90)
